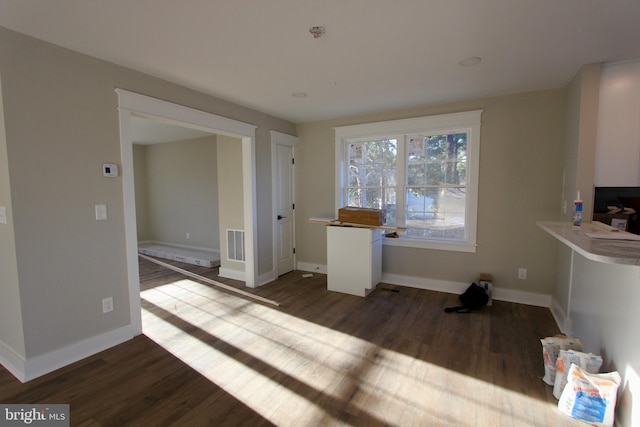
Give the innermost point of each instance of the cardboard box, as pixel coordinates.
(362, 216)
(486, 283)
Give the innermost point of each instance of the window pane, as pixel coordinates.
(417, 173)
(362, 197)
(435, 194)
(435, 174)
(436, 147)
(436, 213)
(371, 175)
(455, 172)
(430, 179)
(372, 163)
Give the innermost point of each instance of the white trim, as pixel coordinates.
(27, 370)
(411, 125)
(430, 244)
(313, 268)
(265, 278)
(228, 273)
(450, 287)
(560, 317)
(469, 122)
(499, 294)
(12, 362)
(177, 114)
(130, 103)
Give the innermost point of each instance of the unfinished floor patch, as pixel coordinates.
(200, 257)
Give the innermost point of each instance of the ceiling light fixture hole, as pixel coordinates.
(317, 32)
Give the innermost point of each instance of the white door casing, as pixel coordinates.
(130, 103)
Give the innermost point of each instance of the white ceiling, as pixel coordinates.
(376, 54)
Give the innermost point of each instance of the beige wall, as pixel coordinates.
(181, 193)
(230, 194)
(520, 183)
(61, 124)
(578, 168)
(11, 329)
(580, 140)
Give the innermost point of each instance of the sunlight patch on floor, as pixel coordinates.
(295, 372)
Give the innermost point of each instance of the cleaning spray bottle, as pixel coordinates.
(577, 211)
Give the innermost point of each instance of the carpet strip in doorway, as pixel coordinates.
(209, 281)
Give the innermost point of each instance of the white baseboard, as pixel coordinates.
(499, 294)
(313, 268)
(232, 274)
(265, 278)
(12, 361)
(560, 317)
(29, 369)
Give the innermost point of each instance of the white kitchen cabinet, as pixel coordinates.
(354, 259)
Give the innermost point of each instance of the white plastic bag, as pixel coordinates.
(590, 397)
(589, 362)
(551, 347)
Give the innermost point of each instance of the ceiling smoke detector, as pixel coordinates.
(317, 32)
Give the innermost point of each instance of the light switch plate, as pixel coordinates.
(3, 215)
(109, 170)
(101, 212)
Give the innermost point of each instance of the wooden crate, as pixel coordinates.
(363, 216)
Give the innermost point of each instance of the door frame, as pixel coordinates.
(279, 138)
(134, 104)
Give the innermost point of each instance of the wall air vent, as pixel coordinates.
(235, 245)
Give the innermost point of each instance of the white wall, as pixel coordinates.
(618, 138)
(594, 301)
(604, 315)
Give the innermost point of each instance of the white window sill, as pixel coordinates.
(425, 244)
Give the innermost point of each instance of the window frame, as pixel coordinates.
(468, 122)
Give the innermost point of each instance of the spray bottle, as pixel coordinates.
(577, 211)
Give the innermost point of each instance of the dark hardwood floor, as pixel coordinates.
(212, 358)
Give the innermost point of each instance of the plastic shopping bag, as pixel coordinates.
(590, 397)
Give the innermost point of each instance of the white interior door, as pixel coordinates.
(285, 204)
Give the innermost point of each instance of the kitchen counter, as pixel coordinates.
(623, 252)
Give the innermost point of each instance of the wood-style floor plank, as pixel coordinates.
(212, 358)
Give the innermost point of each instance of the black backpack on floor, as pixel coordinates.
(472, 299)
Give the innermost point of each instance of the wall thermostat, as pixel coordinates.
(109, 170)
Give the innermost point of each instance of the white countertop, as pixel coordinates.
(604, 250)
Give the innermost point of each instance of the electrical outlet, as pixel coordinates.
(107, 305)
(188, 235)
(522, 273)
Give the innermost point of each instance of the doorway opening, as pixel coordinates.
(176, 192)
(132, 105)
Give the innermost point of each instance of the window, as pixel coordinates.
(423, 172)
